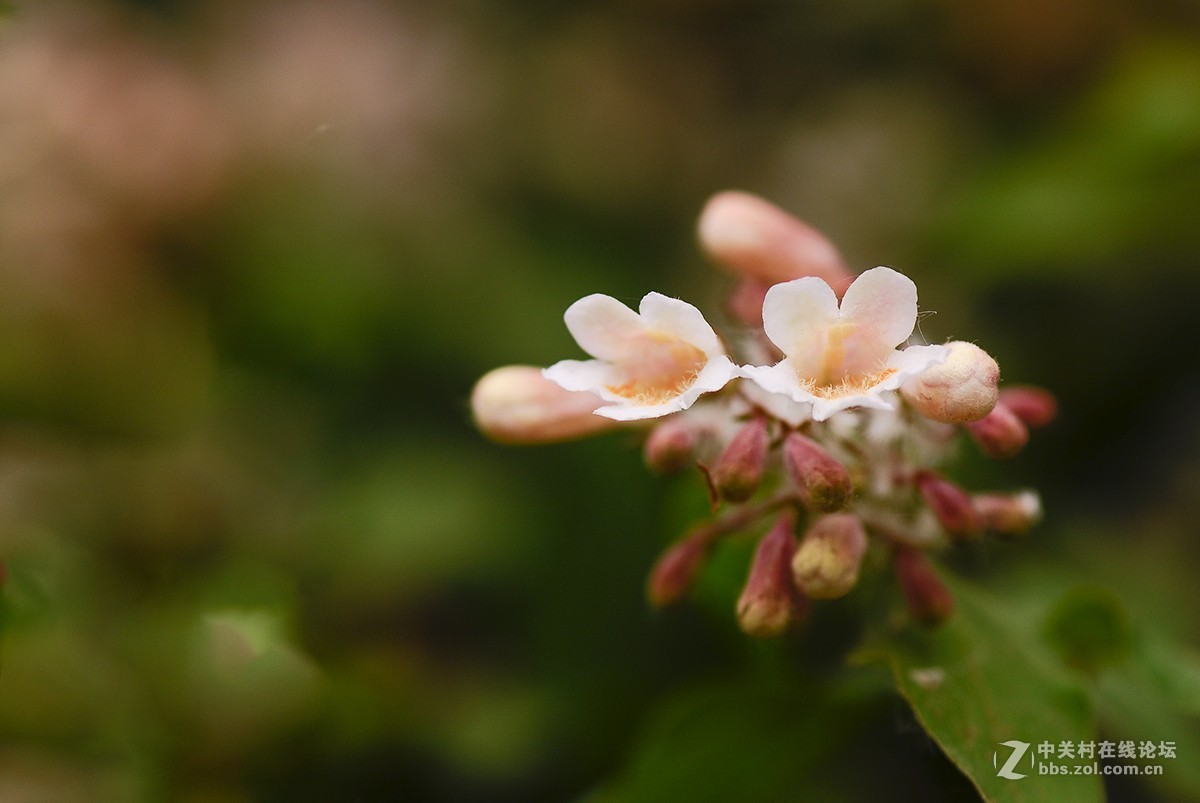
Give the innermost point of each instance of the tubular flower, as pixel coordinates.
(649, 363)
(838, 358)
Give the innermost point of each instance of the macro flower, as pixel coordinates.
(648, 363)
(837, 358)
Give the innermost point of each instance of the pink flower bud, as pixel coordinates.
(928, 599)
(769, 602)
(823, 482)
(962, 389)
(757, 240)
(676, 568)
(1000, 434)
(671, 446)
(1009, 514)
(516, 404)
(740, 470)
(951, 505)
(1036, 407)
(827, 563)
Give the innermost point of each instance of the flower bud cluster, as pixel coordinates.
(832, 436)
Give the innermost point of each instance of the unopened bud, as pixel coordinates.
(740, 470)
(1036, 407)
(671, 446)
(823, 482)
(951, 505)
(1009, 514)
(962, 389)
(827, 563)
(757, 240)
(928, 599)
(1000, 434)
(677, 568)
(769, 602)
(516, 404)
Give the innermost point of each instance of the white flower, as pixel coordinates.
(841, 358)
(648, 363)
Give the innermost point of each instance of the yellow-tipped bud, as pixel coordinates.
(962, 389)
(1009, 514)
(769, 602)
(516, 404)
(822, 482)
(827, 563)
(739, 472)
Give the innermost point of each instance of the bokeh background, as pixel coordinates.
(254, 255)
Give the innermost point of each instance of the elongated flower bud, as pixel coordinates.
(671, 446)
(928, 599)
(1036, 407)
(962, 389)
(769, 601)
(951, 505)
(823, 482)
(827, 563)
(757, 240)
(739, 472)
(677, 568)
(1009, 514)
(516, 404)
(1000, 434)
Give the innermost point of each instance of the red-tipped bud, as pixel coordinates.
(1000, 434)
(755, 239)
(1009, 514)
(1036, 407)
(671, 446)
(516, 404)
(769, 602)
(745, 302)
(823, 482)
(676, 568)
(951, 504)
(740, 470)
(928, 599)
(962, 389)
(827, 563)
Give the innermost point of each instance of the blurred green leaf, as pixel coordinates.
(982, 679)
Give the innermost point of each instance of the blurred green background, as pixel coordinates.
(253, 257)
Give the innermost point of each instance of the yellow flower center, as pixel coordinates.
(660, 367)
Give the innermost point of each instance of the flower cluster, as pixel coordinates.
(832, 421)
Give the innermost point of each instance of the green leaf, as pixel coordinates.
(743, 741)
(984, 678)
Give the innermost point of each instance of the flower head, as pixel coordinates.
(649, 363)
(837, 358)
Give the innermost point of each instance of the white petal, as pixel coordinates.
(602, 326)
(912, 361)
(778, 405)
(884, 302)
(797, 311)
(591, 375)
(681, 319)
(872, 398)
(637, 412)
(777, 378)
